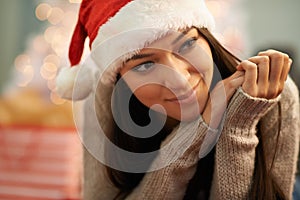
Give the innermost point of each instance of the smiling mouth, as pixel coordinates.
(188, 97)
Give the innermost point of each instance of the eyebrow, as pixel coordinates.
(181, 35)
(139, 56)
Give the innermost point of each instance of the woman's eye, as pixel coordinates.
(144, 67)
(187, 45)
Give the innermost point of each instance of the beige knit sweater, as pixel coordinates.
(234, 157)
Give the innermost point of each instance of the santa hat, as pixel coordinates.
(118, 29)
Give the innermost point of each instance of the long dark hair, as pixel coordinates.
(263, 184)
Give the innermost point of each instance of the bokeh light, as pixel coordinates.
(42, 11)
(56, 16)
(27, 72)
(49, 33)
(40, 44)
(75, 1)
(48, 71)
(68, 19)
(21, 61)
(52, 58)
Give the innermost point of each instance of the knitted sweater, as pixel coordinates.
(234, 157)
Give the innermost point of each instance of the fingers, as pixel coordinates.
(276, 64)
(251, 72)
(262, 63)
(265, 74)
(285, 71)
(232, 83)
(279, 68)
(220, 96)
(287, 66)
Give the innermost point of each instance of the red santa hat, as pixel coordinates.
(118, 29)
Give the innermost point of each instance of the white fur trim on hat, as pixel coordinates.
(65, 81)
(77, 82)
(160, 14)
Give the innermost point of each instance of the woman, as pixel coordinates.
(255, 108)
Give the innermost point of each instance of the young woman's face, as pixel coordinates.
(174, 72)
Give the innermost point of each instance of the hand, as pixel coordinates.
(219, 98)
(265, 74)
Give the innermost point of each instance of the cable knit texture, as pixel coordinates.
(235, 153)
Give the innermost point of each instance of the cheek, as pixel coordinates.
(201, 60)
(203, 70)
(148, 94)
(203, 64)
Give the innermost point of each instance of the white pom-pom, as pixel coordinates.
(68, 78)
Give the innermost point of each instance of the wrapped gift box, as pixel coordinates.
(39, 163)
(40, 150)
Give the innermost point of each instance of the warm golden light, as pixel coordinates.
(56, 99)
(40, 44)
(75, 1)
(51, 85)
(42, 11)
(48, 71)
(50, 33)
(52, 58)
(68, 20)
(27, 76)
(214, 7)
(56, 16)
(21, 61)
(59, 42)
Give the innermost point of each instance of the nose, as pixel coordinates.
(176, 73)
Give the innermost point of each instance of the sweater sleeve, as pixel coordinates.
(235, 150)
(284, 156)
(171, 181)
(96, 184)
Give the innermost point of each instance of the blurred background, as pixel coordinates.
(40, 151)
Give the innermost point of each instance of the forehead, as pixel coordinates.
(173, 37)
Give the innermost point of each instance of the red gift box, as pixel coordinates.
(39, 163)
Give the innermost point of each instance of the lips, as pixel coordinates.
(186, 98)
